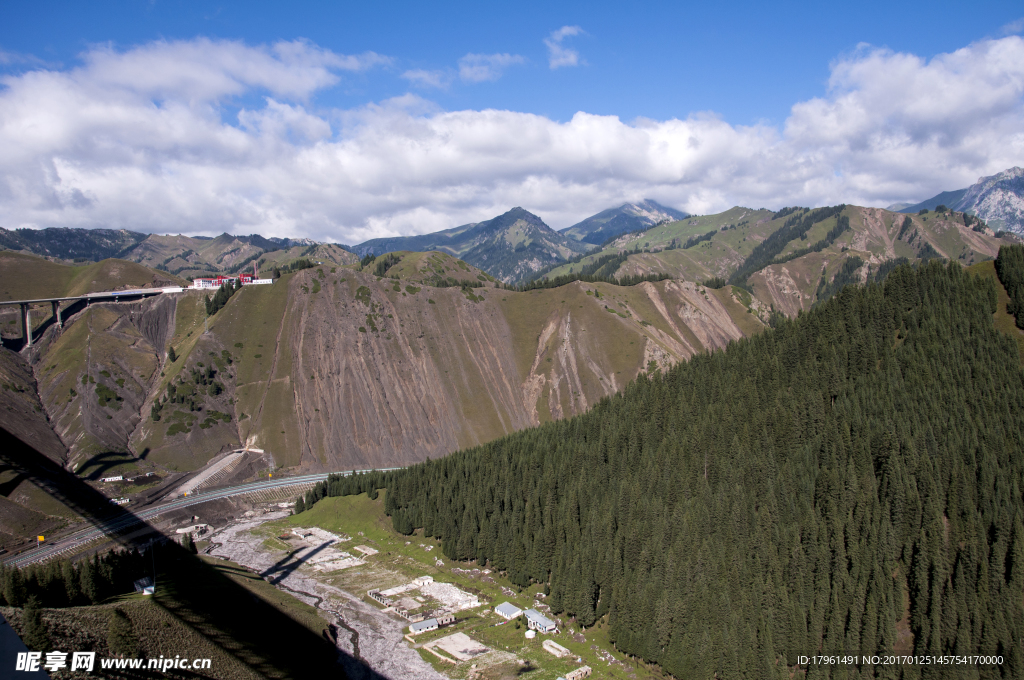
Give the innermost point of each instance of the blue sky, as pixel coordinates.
(777, 100)
(745, 61)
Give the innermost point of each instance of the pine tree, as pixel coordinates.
(300, 506)
(188, 544)
(33, 630)
(15, 591)
(171, 356)
(88, 582)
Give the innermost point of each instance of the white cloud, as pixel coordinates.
(422, 78)
(558, 55)
(1012, 27)
(478, 68)
(137, 139)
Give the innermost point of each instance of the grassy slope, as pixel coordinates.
(417, 267)
(717, 257)
(24, 277)
(259, 318)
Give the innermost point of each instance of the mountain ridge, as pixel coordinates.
(997, 199)
(627, 217)
(510, 247)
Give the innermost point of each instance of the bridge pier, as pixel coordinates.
(56, 313)
(26, 324)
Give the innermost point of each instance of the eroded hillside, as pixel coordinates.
(340, 369)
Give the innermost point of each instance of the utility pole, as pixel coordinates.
(152, 553)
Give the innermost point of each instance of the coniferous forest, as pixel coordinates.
(849, 482)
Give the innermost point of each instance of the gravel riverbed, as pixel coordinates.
(363, 631)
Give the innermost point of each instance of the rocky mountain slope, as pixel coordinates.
(510, 247)
(333, 367)
(344, 369)
(628, 217)
(998, 199)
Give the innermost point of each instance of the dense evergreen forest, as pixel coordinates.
(849, 481)
(1010, 268)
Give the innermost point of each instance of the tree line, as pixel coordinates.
(600, 270)
(63, 583)
(341, 485)
(796, 226)
(1010, 269)
(221, 297)
(812, 489)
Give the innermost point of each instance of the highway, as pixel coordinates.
(133, 518)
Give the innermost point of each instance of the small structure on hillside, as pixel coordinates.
(556, 649)
(431, 624)
(145, 586)
(423, 626)
(579, 673)
(508, 611)
(376, 595)
(539, 622)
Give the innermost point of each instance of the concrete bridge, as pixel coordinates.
(115, 295)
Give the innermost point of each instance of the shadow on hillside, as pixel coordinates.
(8, 487)
(94, 468)
(267, 640)
(285, 566)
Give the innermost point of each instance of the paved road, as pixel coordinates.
(110, 528)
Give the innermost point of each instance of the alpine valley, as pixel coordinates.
(719, 443)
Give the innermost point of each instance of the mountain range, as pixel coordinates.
(510, 247)
(185, 256)
(418, 354)
(594, 393)
(998, 199)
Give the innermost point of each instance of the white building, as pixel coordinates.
(423, 627)
(508, 611)
(539, 622)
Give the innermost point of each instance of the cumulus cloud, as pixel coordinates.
(478, 68)
(142, 139)
(559, 55)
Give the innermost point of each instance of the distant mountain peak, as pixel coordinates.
(998, 199)
(627, 217)
(497, 246)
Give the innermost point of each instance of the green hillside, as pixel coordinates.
(844, 482)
